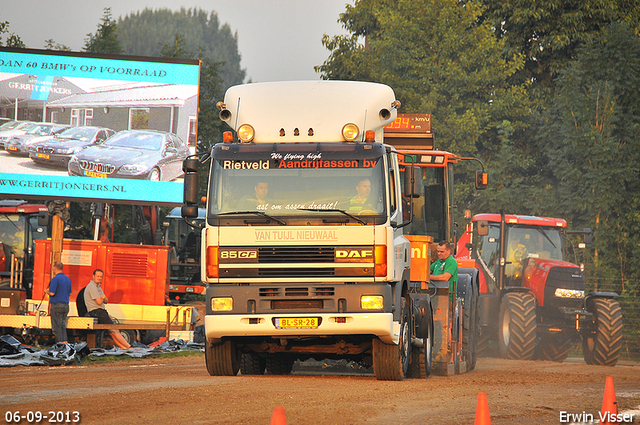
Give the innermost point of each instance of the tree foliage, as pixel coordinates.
(105, 40)
(592, 133)
(148, 32)
(438, 59)
(12, 40)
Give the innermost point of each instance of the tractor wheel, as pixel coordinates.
(279, 364)
(603, 348)
(222, 359)
(484, 344)
(390, 361)
(552, 349)
(252, 364)
(517, 326)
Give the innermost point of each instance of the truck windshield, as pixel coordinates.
(12, 232)
(297, 180)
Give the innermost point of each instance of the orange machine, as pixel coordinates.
(133, 274)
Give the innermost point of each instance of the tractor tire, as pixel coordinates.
(470, 323)
(485, 348)
(390, 361)
(604, 347)
(222, 359)
(555, 350)
(252, 364)
(420, 364)
(517, 326)
(279, 364)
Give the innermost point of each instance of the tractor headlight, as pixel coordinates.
(569, 293)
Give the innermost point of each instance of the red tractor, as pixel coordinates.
(532, 300)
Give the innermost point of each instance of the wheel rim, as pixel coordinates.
(154, 175)
(505, 328)
(405, 341)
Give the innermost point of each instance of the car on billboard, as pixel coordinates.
(133, 154)
(14, 128)
(19, 145)
(59, 149)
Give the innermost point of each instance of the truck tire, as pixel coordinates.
(517, 326)
(552, 349)
(420, 364)
(222, 359)
(470, 320)
(390, 361)
(279, 364)
(252, 364)
(603, 348)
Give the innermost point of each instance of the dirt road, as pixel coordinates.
(179, 391)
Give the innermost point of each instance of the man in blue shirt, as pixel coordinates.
(59, 291)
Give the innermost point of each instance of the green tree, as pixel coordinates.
(105, 40)
(549, 32)
(438, 59)
(12, 39)
(149, 32)
(591, 135)
(50, 44)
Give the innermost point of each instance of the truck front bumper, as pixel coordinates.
(329, 324)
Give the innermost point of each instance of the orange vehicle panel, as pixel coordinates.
(133, 274)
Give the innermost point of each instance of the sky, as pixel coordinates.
(278, 40)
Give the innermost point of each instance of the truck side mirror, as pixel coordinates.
(482, 180)
(588, 235)
(190, 208)
(43, 218)
(412, 173)
(483, 228)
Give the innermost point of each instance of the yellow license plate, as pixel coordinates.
(94, 174)
(42, 155)
(12, 148)
(296, 322)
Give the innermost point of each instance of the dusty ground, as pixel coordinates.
(179, 390)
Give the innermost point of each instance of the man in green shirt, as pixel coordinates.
(445, 268)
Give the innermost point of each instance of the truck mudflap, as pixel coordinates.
(294, 325)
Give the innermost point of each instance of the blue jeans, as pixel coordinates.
(59, 313)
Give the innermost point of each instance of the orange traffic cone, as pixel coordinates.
(278, 417)
(482, 411)
(609, 403)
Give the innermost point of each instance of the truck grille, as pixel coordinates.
(297, 254)
(297, 272)
(278, 291)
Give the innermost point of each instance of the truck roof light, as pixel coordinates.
(227, 137)
(282, 132)
(370, 136)
(310, 132)
(439, 159)
(246, 133)
(425, 158)
(350, 132)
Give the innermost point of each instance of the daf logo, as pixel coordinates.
(354, 253)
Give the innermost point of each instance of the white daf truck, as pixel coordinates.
(303, 252)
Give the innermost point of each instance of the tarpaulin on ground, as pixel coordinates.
(13, 353)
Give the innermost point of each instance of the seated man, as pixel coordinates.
(95, 300)
(251, 203)
(361, 202)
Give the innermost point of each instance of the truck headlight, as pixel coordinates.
(221, 304)
(568, 293)
(371, 302)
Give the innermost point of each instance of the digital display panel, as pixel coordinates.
(410, 123)
(79, 126)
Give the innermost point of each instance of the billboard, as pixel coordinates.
(79, 126)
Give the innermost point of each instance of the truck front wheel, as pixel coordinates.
(517, 326)
(390, 362)
(603, 348)
(222, 359)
